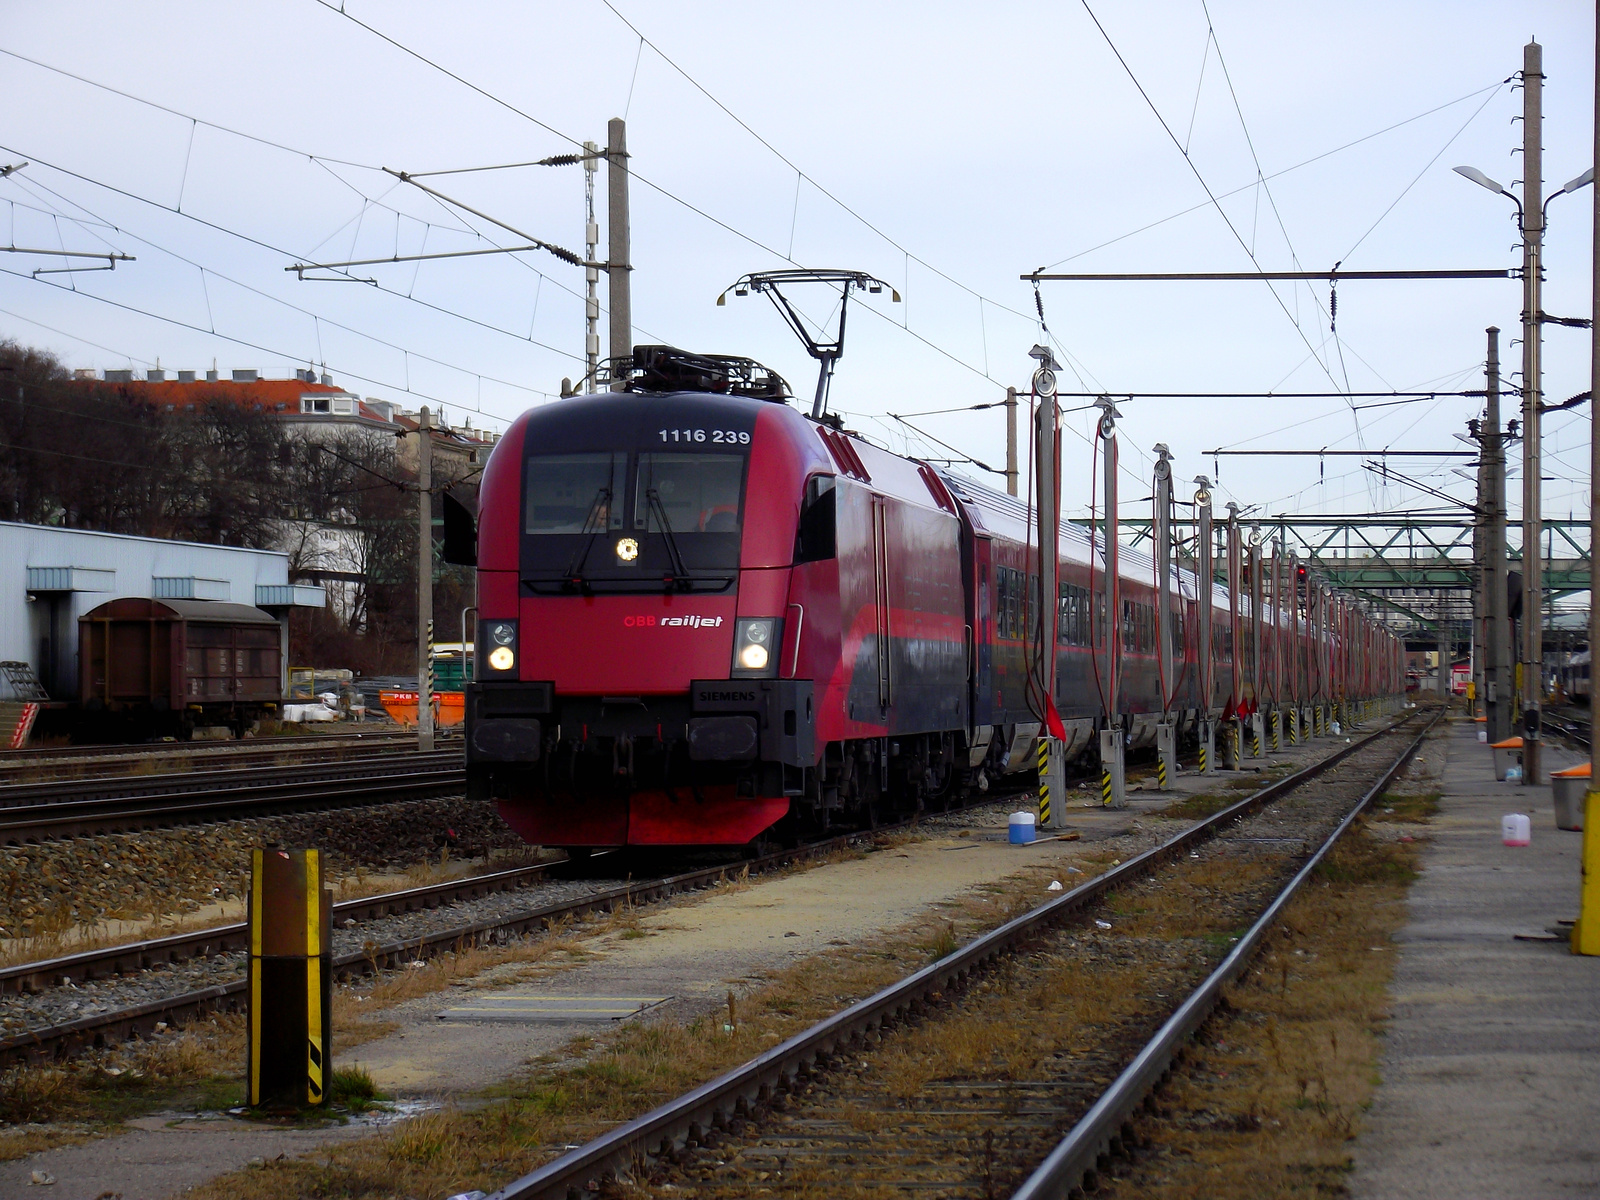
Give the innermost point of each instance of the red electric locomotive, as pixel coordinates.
(702, 613)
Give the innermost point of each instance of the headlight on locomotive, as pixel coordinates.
(755, 650)
(501, 636)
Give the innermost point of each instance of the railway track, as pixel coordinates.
(132, 957)
(1574, 730)
(61, 1041)
(889, 1097)
(88, 761)
(74, 808)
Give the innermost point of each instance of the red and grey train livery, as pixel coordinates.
(702, 614)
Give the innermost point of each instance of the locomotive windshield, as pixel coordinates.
(568, 492)
(658, 520)
(696, 493)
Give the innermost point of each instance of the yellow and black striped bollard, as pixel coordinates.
(1044, 783)
(290, 979)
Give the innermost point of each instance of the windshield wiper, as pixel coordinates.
(573, 575)
(680, 578)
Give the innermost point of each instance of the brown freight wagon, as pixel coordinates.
(173, 665)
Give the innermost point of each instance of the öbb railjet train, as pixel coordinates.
(702, 613)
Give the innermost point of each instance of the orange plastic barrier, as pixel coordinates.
(449, 708)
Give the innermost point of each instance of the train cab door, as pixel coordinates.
(880, 578)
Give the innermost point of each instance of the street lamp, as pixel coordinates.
(1531, 220)
(1483, 181)
(1532, 648)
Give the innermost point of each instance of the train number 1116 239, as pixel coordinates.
(726, 437)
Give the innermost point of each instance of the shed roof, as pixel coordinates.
(220, 610)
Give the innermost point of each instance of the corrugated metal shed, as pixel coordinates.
(49, 577)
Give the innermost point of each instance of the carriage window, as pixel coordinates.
(1015, 604)
(700, 493)
(568, 493)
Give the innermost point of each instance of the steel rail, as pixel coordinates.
(121, 814)
(26, 756)
(1103, 1127)
(580, 1168)
(1574, 731)
(178, 783)
(132, 957)
(65, 1040)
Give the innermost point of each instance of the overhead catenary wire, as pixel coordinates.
(1201, 180)
(320, 160)
(245, 237)
(324, 160)
(278, 299)
(964, 457)
(317, 318)
(800, 172)
(1316, 158)
(345, 371)
(635, 175)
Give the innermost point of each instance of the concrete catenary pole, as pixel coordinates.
(1477, 628)
(1499, 704)
(1166, 731)
(1047, 483)
(1279, 690)
(1444, 654)
(1586, 934)
(1234, 734)
(619, 263)
(1257, 636)
(1204, 569)
(591, 273)
(1532, 331)
(1594, 433)
(1112, 779)
(1162, 528)
(1011, 441)
(425, 581)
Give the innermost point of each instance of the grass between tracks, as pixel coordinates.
(48, 1106)
(1269, 1098)
(597, 1082)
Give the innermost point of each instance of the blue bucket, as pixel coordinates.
(1021, 828)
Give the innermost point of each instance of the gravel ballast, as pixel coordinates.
(58, 886)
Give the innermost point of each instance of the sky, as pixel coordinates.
(947, 149)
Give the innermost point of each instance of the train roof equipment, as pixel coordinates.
(771, 283)
(663, 369)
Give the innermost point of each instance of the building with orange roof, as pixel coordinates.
(324, 547)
